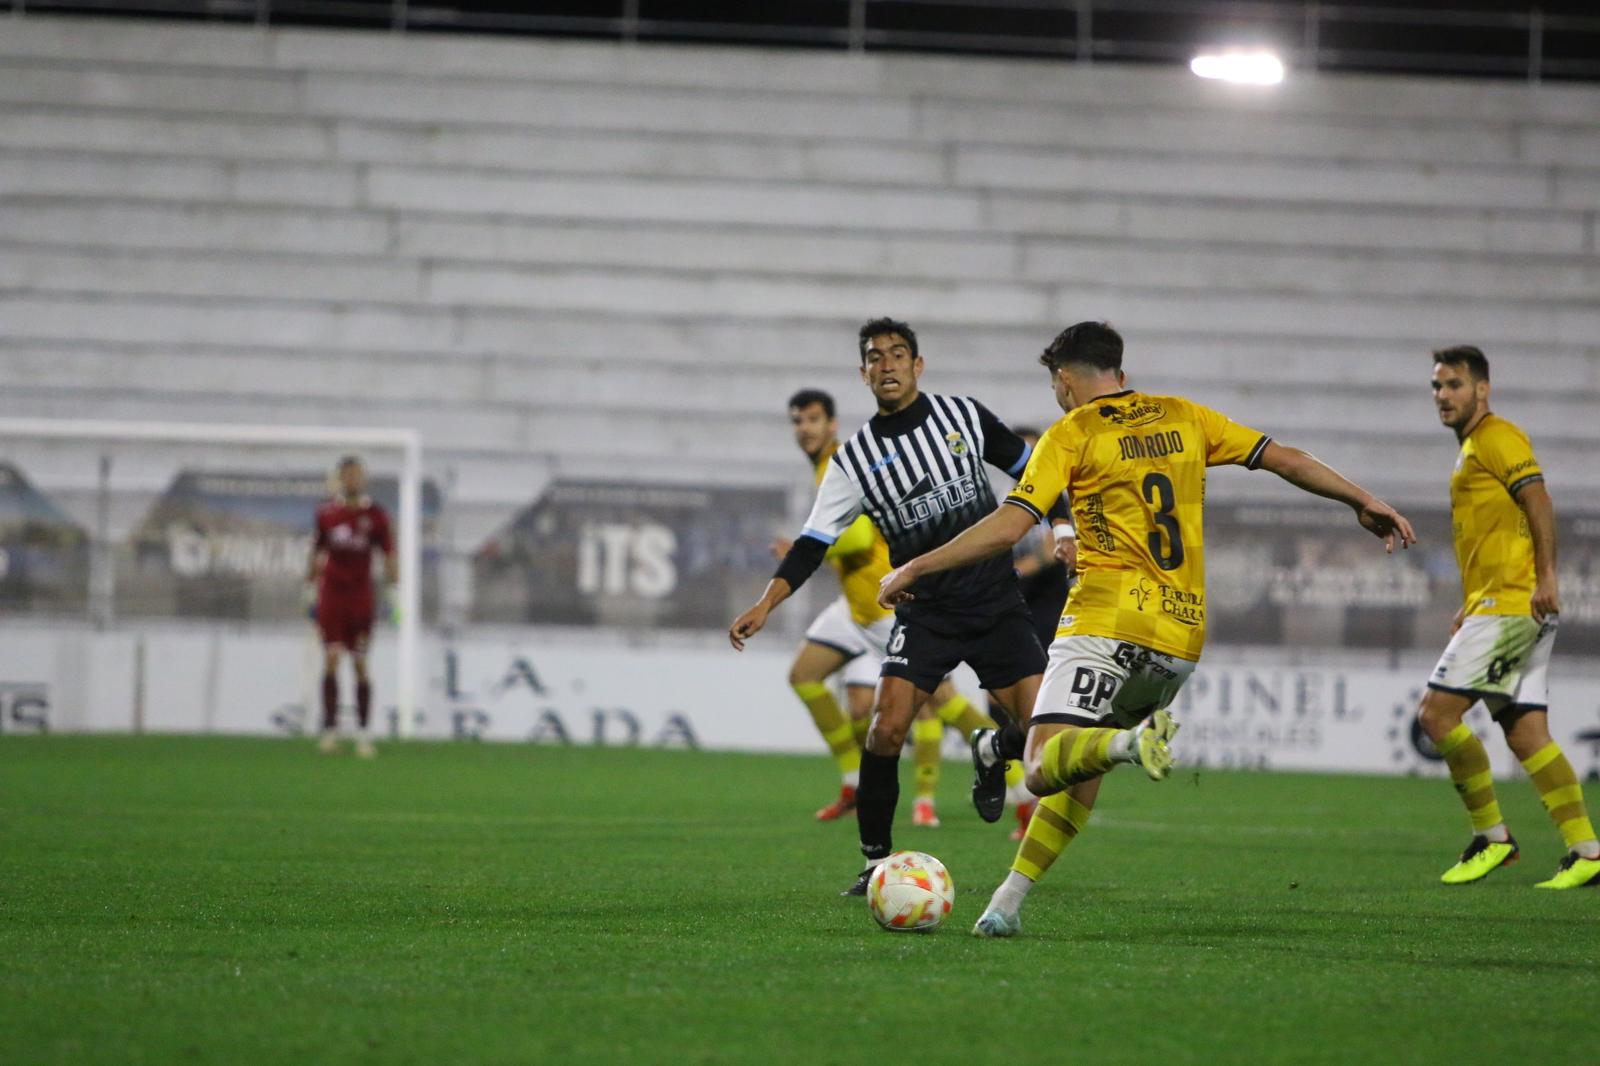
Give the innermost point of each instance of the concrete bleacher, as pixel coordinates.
(609, 259)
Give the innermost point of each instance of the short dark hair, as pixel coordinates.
(1466, 355)
(346, 461)
(878, 327)
(806, 397)
(1094, 343)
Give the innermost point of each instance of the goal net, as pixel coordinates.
(153, 576)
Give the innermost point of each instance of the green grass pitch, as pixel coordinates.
(175, 900)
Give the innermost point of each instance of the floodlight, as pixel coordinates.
(1245, 68)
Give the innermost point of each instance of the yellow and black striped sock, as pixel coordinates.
(1560, 793)
(1468, 760)
(926, 734)
(1056, 822)
(959, 713)
(832, 724)
(1076, 754)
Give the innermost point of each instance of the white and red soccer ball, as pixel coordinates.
(910, 890)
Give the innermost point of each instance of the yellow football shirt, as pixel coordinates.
(1494, 547)
(861, 571)
(1135, 468)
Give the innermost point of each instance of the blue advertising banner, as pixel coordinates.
(44, 555)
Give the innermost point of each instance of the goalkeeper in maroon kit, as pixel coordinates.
(349, 527)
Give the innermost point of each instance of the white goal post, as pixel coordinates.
(409, 532)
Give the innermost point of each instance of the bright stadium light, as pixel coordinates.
(1245, 68)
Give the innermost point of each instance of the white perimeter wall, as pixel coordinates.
(1259, 710)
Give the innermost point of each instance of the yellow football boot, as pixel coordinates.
(1575, 871)
(1153, 741)
(1481, 857)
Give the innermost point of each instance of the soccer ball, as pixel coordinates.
(910, 890)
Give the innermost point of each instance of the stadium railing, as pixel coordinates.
(1524, 43)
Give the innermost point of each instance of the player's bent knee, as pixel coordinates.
(1441, 711)
(896, 705)
(885, 738)
(891, 724)
(1526, 729)
(803, 679)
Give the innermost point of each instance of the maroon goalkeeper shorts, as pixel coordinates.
(345, 619)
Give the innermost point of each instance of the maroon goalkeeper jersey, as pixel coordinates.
(348, 534)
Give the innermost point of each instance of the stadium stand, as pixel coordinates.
(590, 256)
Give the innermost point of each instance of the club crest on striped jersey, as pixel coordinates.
(956, 443)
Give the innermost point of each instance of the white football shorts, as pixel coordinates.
(1501, 659)
(865, 645)
(1097, 681)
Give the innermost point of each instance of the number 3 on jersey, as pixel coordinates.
(1158, 494)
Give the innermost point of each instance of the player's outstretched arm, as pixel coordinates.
(995, 534)
(1534, 499)
(1305, 471)
(835, 509)
(799, 563)
(749, 624)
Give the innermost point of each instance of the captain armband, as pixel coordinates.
(1523, 482)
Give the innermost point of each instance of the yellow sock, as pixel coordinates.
(1560, 793)
(832, 724)
(926, 733)
(959, 713)
(1076, 754)
(1056, 823)
(860, 727)
(1469, 769)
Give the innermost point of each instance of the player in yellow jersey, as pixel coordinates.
(851, 635)
(1500, 644)
(1134, 466)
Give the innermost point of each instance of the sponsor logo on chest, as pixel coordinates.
(353, 535)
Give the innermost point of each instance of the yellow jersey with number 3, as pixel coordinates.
(1135, 468)
(1494, 547)
(859, 571)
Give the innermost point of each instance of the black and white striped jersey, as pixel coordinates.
(918, 475)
